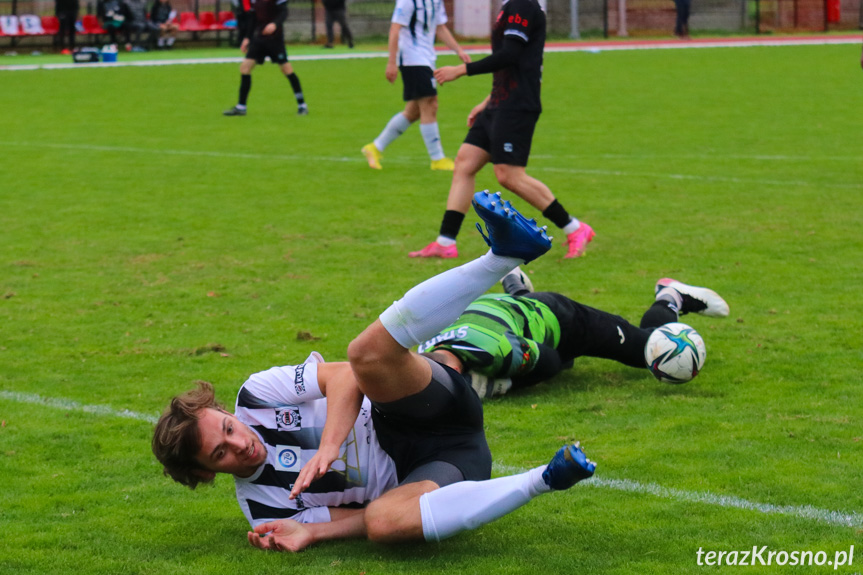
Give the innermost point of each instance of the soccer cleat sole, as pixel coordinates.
(510, 234)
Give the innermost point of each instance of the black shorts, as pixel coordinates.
(505, 134)
(418, 81)
(587, 331)
(441, 423)
(273, 46)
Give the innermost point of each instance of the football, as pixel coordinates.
(675, 353)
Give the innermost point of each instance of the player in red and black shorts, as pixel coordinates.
(501, 128)
(266, 39)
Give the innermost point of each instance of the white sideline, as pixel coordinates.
(593, 47)
(816, 514)
(359, 159)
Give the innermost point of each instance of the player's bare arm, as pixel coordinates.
(450, 42)
(290, 535)
(344, 398)
(392, 71)
(477, 110)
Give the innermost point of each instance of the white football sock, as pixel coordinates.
(431, 136)
(437, 302)
(470, 504)
(445, 241)
(395, 128)
(572, 226)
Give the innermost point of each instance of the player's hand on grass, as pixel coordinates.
(281, 535)
(392, 72)
(316, 467)
(463, 56)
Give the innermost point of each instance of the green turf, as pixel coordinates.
(147, 242)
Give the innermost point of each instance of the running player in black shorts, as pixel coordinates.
(267, 39)
(514, 340)
(501, 129)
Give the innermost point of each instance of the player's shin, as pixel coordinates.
(471, 504)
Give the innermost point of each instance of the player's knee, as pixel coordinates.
(506, 176)
(364, 355)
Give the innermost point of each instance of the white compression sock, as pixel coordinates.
(395, 128)
(431, 136)
(437, 302)
(470, 504)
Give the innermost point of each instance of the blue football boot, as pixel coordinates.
(510, 234)
(568, 466)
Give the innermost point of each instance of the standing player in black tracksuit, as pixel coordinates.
(501, 128)
(267, 39)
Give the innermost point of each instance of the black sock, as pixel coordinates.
(660, 313)
(451, 223)
(295, 85)
(558, 216)
(245, 88)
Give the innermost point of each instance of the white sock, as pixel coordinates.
(572, 226)
(395, 128)
(431, 136)
(171, 41)
(672, 296)
(470, 504)
(445, 241)
(437, 302)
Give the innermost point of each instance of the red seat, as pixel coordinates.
(51, 25)
(189, 23)
(226, 16)
(91, 25)
(208, 21)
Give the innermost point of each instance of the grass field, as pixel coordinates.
(147, 242)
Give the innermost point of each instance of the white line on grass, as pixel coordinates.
(827, 516)
(723, 179)
(359, 159)
(594, 47)
(70, 405)
(728, 501)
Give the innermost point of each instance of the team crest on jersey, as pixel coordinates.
(299, 384)
(287, 458)
(288, 419)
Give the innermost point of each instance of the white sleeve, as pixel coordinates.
(403, 12)
(313, 515)
(441, 15)
(277, 386)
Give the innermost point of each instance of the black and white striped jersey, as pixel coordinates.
(285, 407)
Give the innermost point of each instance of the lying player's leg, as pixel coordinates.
(418, 511)
(385, 368)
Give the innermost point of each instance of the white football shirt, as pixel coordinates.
(419, 20)
(285, 407)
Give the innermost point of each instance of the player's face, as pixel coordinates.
(228, 446)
